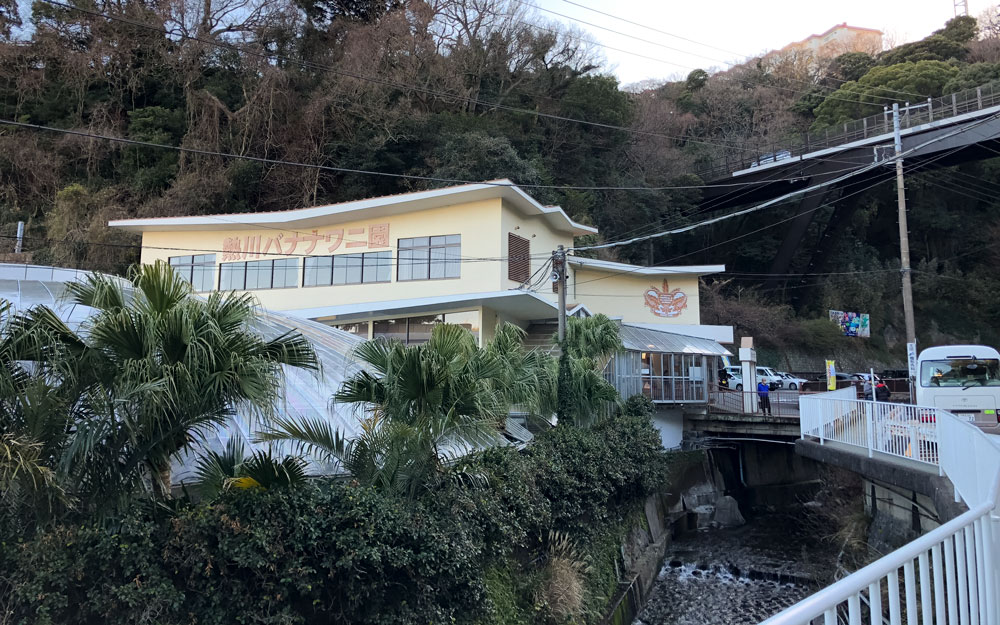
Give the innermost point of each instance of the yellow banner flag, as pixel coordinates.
(831, 376)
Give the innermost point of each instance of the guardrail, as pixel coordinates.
(783, 403)
(949, 575)
(901, 430)
(932, 109)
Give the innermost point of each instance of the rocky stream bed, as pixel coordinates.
(738, 575)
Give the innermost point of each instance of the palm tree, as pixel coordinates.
(231, 468)
(153, 367)
(583, 392)
(424, 406)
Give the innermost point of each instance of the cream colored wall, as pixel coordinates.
(543, 240)
(477, 222)
(622, 295)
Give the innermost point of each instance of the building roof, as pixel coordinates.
(842, 25)
(374, 208)
(640, 339)
(518, 304)
(613, 267)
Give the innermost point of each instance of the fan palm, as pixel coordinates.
(231, 468)
(423, 406)
(154, 366)
(583, 392)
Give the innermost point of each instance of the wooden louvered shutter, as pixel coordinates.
(518, 258)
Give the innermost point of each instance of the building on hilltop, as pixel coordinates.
(476, 255)
(838, 40)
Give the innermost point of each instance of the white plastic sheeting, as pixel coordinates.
(305, 393)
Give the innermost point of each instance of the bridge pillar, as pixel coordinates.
(748, 369)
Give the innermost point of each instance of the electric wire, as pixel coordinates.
(792, 194)
(739, 54)
(689, 67)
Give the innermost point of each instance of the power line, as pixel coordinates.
(884, 178)
(651, 42)
(791, 194)
(274, 161)
(739, 54)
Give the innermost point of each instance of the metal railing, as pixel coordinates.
(900, 430)
(783, 403)
(760, 152)
(949, 575)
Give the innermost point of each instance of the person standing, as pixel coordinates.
(763, 391)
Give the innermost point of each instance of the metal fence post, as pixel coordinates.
(907, 114)
(930, 110)
(870, 418)
(954, 105)
(979, 98)
(864, 128)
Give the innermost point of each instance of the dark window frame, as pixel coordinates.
(185, 266)
(272, 261)
(346, 258)
(427, 259)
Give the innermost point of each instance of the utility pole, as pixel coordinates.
(559, 267)
(904, 242)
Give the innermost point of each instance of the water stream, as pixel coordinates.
(739, 575)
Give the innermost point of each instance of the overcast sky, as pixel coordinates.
(732, 29)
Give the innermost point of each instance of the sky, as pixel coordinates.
(731, 30)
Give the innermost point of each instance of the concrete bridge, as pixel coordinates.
(950, 574)
(937, 133)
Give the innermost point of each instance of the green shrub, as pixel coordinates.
(638, 405)
(326, 551)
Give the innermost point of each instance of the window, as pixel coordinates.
(198, 270)
(357, 329)
(348, 269)
(430, 258)
(960, 372)
(518, 258)
(664, 377)
(413, 330)
(259, 274)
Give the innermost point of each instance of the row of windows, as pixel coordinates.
(412, 330)
(420, 258)
(348, 269)
(259, 274)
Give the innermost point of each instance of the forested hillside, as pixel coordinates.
(280, 104)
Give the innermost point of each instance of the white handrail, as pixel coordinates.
(838, 592)
(956, 567)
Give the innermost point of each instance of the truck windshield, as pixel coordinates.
(965, 372)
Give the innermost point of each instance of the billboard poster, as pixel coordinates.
(852, 323)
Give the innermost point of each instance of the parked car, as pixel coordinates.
(768, 375)
(771, 377)
(792, 382)
(735, 377)
(771, 157)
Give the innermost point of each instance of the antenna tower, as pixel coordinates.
(961, 8)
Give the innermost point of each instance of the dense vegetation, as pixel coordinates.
(432, 517)
(336, 551)
(459, 90)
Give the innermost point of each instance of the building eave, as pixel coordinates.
(639, 270)
(518, 304)
(371, 208)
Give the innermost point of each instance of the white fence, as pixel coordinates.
(901, 430)
(951, 574)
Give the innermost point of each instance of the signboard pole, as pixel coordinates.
(911, 362)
